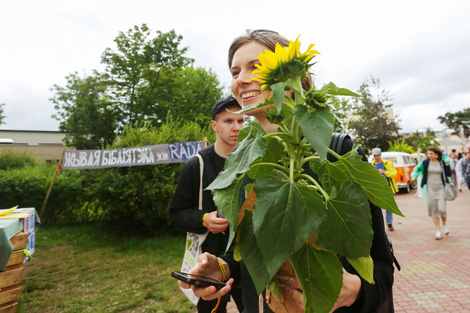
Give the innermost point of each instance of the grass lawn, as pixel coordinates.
(91, 269)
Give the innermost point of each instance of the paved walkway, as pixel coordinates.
(435, 274)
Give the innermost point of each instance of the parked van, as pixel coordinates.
(404, 163)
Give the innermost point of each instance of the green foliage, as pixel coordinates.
(373, 126)
(138, 198)
(138, 70)
(401, 146)
(10, 159)
(416, 141)
(85, 111)
(27, 187)
(341, 108)
(146, 78)
(291, 205)
(457, 120)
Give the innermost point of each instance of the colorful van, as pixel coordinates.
(404, 163)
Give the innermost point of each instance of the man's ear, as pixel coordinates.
(214, 125)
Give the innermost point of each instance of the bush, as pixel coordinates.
(401, 146)
(138, 198)
(28, 186)
(11, 159)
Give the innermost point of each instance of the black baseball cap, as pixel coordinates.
(222, 104)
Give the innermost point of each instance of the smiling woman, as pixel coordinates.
(293, 219)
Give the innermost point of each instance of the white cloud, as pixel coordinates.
(419, 49)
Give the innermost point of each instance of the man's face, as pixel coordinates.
(378, 158)
(227, 125)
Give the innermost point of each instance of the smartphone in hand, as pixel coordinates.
(199, 281)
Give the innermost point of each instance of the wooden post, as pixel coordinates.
(205, 142)
(50, 186)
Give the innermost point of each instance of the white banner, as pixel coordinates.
(146, 155)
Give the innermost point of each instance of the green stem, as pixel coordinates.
(292, 168)
(309, 159)
(277, 136)
(284, 129)
(323, 192)
(334, 154)
(279, 167)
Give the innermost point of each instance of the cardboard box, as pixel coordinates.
(28, 215)
(30, 246)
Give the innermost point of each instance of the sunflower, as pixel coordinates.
(283, 63)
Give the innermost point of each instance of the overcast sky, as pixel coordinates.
(420, 50)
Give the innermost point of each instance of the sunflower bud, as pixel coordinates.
(273, 117)
(316, 99)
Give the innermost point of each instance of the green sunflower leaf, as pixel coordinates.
(364, 266)
(227, 201)
(317, 126)
(320, 274)
(374, 185)
(274, 152)
(331, 89)
(284, 217)
(239, 161)
(252, 129)
(278, 94)
(251, 254)
(347, 228)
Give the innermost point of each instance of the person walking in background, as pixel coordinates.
(462, 165)
(435, 174)
(452, 162)
(184, 207)
(388, 171)
(462, 171)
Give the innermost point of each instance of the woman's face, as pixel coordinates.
(248, 93)
(431, 155)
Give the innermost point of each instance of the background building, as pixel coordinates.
(44, 145)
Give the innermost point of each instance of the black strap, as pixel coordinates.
(393, 256)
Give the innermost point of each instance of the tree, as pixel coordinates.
(457, 120)
(373, 126)
(144, 81)
(401, 146)
(340, 107)
(85, 112)
(421, 142)
(2, 116)
(193, 94)
(141, 70)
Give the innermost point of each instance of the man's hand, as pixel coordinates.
(215, 224)
(347, 296)
(208, 266)
(381, 171)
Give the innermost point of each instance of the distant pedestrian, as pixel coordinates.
(435, 173)
(461, 170)
(452, 162)
(388, 171)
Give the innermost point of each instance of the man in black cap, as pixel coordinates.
(184, 207)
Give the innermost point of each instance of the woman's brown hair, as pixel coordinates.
(436, 151)
(267, 38)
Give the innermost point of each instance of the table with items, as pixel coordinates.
(17, 242)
